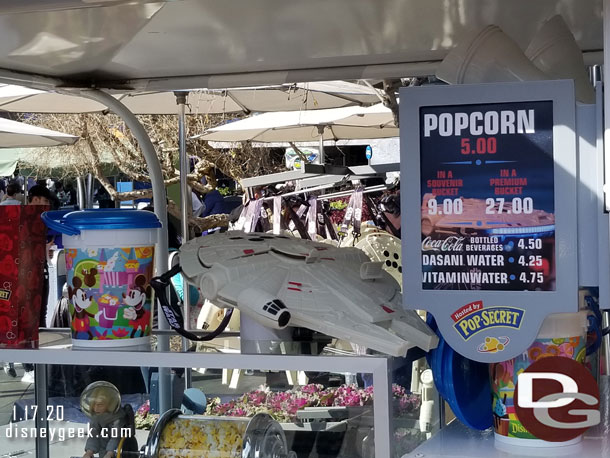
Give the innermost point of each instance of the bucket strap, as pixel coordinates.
(277, 215)
(312, 218)
(353, 214)
(295, 222)
(173, 313)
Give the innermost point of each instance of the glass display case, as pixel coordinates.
(335, 404)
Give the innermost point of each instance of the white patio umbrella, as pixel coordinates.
(300, 96)
(333, 124)
(15, 134)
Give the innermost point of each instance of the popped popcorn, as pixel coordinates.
(191, 437)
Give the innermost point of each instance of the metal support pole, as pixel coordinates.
(606, 104)
(160, 204)
(321, 143)
(606, 343)
(606, 162)
(41, 399)
(25, 190)
(185, 199)
(80, 193)
(442, 412)
(382, 408)
(89, 197)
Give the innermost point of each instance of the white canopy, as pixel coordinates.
(302, 96)
(165, 45)
(15, 134)
(334, 124)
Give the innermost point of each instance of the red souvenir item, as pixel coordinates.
(22, 259)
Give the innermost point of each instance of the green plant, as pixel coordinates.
(224, 191)
(338, 205)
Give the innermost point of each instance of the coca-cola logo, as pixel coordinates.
(451, 243)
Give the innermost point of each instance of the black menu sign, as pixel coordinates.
(487, 197)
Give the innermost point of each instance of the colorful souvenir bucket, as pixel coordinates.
(561, 334)
(109, 264)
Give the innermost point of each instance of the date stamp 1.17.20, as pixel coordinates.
(22, 428)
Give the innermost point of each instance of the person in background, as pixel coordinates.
(9, 369)
(103, 198)
(61, 193)
(71, 193)
(18, 179)
(31, 182)
(13, 194)
(214, 204)
(39, 195)
(197, 205)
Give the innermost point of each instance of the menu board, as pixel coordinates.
(487, 197)
(488, 210)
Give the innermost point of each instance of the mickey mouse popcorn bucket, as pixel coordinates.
(109, 264)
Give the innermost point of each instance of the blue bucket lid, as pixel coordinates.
(434, 356)
(101, 219)
(462, 382)
(467, 389)
(59, 214)
(437, 366)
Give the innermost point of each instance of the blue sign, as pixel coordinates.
(369, 152)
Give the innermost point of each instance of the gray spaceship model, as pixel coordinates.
(282, 281)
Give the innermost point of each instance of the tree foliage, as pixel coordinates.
(105, 139)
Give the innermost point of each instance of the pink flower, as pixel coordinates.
(312, 388)
(284, 405)
(144, 408)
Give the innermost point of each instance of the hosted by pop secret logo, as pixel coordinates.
(473, 318)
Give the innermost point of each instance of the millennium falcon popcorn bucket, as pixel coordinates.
(192, 436)
(109, 264)
(279, 281)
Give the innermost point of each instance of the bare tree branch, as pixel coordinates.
(203, 224)
(107, 142)
(390, 88)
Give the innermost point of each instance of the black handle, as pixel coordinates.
(173, 313)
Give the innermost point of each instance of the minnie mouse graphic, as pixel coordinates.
(138, 316)
(80, 318)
